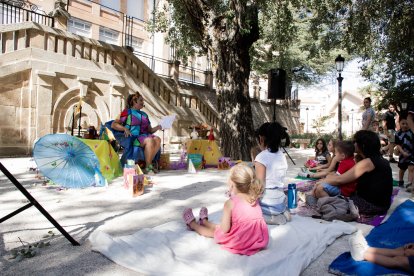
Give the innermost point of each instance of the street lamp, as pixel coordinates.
(307, 120)
(352, 121)
(339, 62)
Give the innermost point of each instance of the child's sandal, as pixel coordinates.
(188, 217)
(203, 215)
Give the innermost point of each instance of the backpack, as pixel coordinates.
(337, 208)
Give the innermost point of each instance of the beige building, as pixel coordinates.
(63, 68)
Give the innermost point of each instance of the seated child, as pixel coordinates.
(395, 258)
(344, 151)
(243, 229)
(331, 149)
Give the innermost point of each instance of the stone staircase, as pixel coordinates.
(46, 71)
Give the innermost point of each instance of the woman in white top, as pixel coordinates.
(271, 167)
(368, 116)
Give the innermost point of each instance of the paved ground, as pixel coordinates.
(113, 210)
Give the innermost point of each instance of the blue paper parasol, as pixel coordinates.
(66, 160)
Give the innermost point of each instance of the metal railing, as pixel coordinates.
(12, 12)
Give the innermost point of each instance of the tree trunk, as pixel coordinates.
(236, 124)
(232, 57)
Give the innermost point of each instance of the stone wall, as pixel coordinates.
(46, 73)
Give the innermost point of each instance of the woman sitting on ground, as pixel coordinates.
(271, 167)
(373, 175)
(138, 132)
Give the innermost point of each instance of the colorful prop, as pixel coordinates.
(137, 184)
(196, 159)
(224, 163)
(208, 149)
(110, 165)
(311, 163)
(66, 160)
(191, 168)
(164, 162)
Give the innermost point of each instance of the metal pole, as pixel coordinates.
(352, 123)
(340, 78)
(274, 110)
(80, 118)
(307, 120)
(73, 120)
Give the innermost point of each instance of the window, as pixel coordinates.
(79, 27)
(108, 36)
(113, 4)
(135, 8)
(137, 44)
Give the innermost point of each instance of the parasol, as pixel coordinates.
(66, 160)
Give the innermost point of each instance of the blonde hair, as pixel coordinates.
(246, 182)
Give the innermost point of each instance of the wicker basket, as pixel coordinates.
(202, 133)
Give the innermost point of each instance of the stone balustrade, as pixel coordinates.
(33, 35)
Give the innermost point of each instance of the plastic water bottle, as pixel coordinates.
(292, 200)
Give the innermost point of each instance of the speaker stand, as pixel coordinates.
(33, 202)
(274, 120)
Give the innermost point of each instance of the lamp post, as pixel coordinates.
(339, 62)
(352, 121)
(307, 120)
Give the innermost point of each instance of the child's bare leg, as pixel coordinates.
(390, 252)
(401, 175)
(390, 259)
(320, 192)
(206, 230)
(411, 174)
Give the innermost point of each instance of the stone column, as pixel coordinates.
(44, 104)
(116, 99)
(209, 79)
(174, 70)
(60, 15)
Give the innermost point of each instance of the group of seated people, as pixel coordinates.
(356, 170)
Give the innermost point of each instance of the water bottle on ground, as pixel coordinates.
(292, 197)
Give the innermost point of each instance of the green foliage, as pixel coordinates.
(29, 250)
(313, 137)
(319, 123)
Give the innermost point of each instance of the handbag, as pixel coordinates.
(337, 208)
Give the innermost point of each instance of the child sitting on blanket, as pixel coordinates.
(242, 229)
(395, 258)
(322, 155)
(323, 170)
(344, 150)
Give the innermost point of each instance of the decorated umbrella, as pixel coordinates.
(66, 160)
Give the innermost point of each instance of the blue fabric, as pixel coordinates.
(331, 190)
(395, 232)
(129, 150)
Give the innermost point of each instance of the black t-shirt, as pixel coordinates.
(390, 119)
(376, 186)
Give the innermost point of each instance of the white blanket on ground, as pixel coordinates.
(170, 249)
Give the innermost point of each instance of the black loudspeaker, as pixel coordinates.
(276, 84)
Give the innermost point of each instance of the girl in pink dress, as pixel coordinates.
(242, 229)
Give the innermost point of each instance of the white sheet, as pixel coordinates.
(170, 249)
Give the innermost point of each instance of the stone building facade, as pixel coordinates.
(46, 73)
